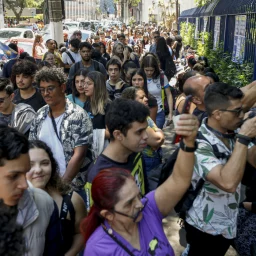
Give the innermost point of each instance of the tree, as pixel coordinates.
(202, 2)
(17, 6)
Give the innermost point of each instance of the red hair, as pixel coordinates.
(105, 188)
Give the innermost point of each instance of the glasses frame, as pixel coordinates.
(236, 111)
(2, 100)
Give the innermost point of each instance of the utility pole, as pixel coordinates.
(1, 14)
(55, 14)
(177, 12)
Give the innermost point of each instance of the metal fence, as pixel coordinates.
(228, 12)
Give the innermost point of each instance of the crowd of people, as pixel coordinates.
(81, 136)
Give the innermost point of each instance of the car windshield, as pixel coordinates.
(26, 47)
(9, 34)
(72, 25)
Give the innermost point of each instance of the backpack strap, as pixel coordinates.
(162, 86)
(70, 56)
(67, 206)
(216, 152)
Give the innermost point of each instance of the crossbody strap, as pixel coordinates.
(54, 125)
(117, 241)
(70, 56)
(67, 206)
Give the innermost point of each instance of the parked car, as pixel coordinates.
(6, 33)
(74, 25)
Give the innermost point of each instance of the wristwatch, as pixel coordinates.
(185, 148)
(243, 139)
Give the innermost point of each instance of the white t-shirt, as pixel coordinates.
(66, 59)
(154, 88)
(48, 135)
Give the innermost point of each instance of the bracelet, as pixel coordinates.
(184, 147)
(243, 139)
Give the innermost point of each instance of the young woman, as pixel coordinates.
(139, 79)
(38, 48)
(177, 46)
(151, 155)
(158, 86)
(127, 69)
(44, 175)
(78, 95)
(120, 222)
(103, 51)
(120, 53)
(96, 105)
(49, 58)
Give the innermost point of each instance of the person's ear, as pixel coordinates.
(12, 96)
(63, 88)
(107, 215)
(217, 114)
(196, 100)
(118, 135)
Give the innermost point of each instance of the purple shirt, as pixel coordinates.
(153, 240)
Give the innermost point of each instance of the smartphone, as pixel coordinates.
(185, 110)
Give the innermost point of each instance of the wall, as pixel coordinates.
(186, 4)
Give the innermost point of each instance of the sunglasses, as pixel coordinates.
(3, 99)
(237, 111)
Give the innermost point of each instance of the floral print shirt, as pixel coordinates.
(214, 211)
(75, 131)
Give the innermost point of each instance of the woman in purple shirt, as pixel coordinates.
(122, 223)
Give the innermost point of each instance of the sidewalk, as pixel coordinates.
(176, 235)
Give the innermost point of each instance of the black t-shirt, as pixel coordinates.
(36, 101)
(98, 121)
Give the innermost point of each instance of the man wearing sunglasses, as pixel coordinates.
(220, 161)
(18, 116)
(64, 126)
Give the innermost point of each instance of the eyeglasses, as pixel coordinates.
(236, 111)
(3, 99)
(47, 89)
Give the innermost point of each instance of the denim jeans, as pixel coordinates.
(160, 119)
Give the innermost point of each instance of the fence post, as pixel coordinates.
(225, 34)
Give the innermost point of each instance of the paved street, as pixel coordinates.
(175, 235)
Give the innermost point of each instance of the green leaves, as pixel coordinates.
(207, 216)
(202, 2)
(232, 206)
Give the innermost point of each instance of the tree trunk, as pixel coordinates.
(55, 13)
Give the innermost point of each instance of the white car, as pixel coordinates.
(6, 33)
(74, 25)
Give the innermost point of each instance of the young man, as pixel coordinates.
(115, 85)
(23, 73)
(18, 116)
(37, 212)
(126, 121)
(72, 55)
(211, 222)
(86, 63)
(64, 126)
(156, 36)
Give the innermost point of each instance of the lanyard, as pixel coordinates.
(54, 125)
(117, 241)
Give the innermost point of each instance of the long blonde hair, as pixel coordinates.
(36, 41)
(100, 97)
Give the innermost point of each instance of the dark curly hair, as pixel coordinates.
(122, 113)
(25, 67)
(11, 239)
(55, 181)
(13, 144)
